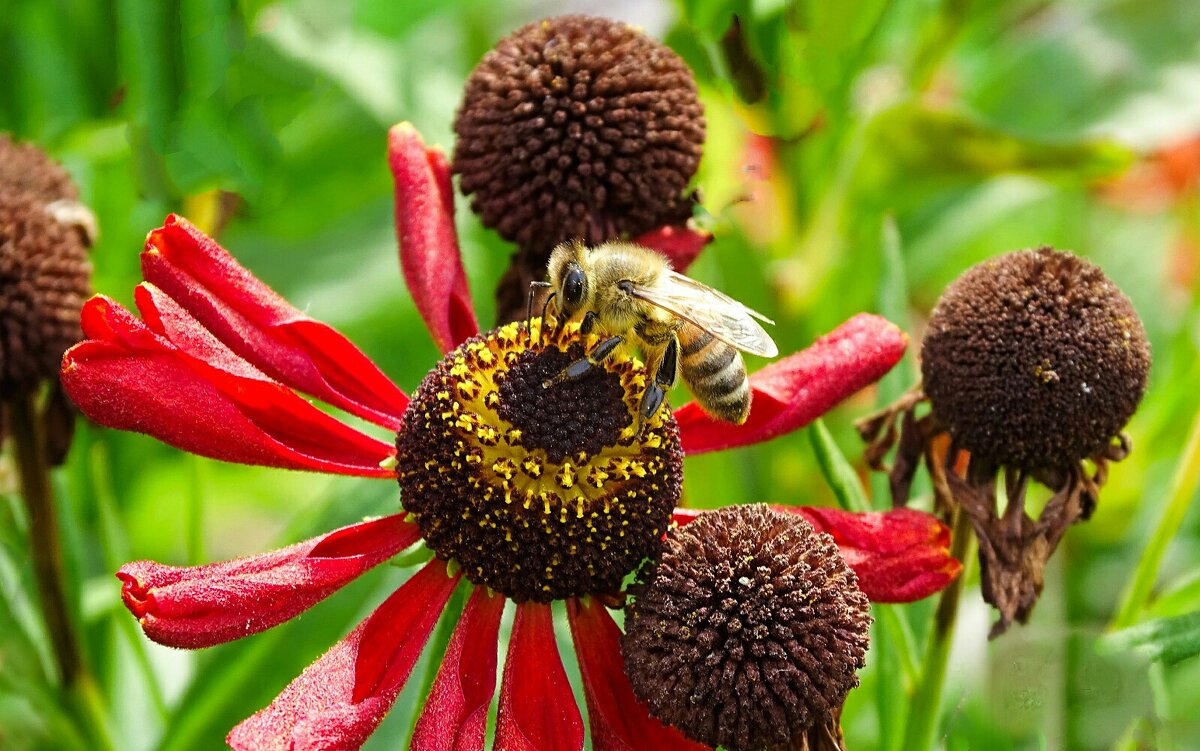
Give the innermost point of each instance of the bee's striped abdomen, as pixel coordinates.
(715, 373)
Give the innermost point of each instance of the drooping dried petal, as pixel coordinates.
(261, 327)
(329, 707)
(199, 606)
(455, 714)
(618, 720)
(790, 393)
(537, 708)
(429, 254)
(128, 377)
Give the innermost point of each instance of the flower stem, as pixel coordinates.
(1179, 497)
(927, 699)
(48, 569)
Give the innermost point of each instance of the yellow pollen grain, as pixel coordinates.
(532, 466)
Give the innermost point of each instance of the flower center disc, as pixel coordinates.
(539, 493)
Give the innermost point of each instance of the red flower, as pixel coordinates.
(212, 335)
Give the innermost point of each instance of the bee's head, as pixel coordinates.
(568, 277)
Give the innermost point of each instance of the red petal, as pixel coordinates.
(455, 714)
(128, 377)
(396, 632)
(792, 392)
(261, 327)
(429, 254)
(901, 555)
(199, 606)
(619, 721)
(321, 708)
(680, 243)
(537, 708)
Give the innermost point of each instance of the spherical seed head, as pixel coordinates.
(44, 279)
(1034, 360)
(748, 631)
(540, 493)
(24, 168)
(578, 128)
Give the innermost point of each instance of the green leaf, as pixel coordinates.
(911, 140)
(1166, 640)
(837, 469)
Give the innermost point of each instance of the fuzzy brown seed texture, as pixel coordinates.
(748, 632)
(1034, 360)
(25, 169)
(44, 280)
(578, 128)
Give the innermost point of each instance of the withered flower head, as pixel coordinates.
(44, 269)
(1034, 360)
(1032, 363)
(578, 128)
(749, 631)
(540, 493)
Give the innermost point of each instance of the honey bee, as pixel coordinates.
(685, 329)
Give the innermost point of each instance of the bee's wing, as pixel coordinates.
(710, 310)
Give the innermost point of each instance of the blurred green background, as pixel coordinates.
(860, 156)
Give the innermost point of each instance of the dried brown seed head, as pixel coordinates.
(748, 632)
(44, 269)
(1034, 360)
(578, 128)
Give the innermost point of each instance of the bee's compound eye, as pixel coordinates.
(574, 284)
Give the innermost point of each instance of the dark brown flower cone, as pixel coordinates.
(748, 633)
(1032, 364)
(44, 279)
(576, 128)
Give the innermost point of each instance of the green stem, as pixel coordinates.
(1179, 497)
(902, 641)
(1162, 706)
(48, 569)
(94, 709)
(927, 699)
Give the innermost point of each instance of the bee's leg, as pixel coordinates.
(585, 365)
(664, 378)
(588, 323)
(534, 288)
